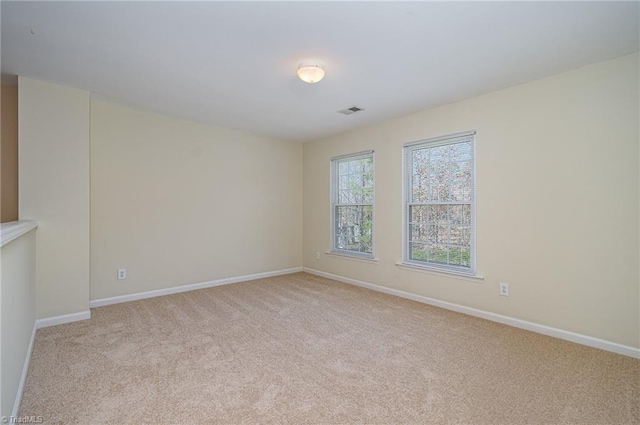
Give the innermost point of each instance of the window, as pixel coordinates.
(440, 203)
(352, 204)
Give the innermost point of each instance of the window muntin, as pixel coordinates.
(440, 203)
(352, 201)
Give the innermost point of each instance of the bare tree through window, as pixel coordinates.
(440, 201)
(352, 203)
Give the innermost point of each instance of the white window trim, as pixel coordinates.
(440, 271)
(334, 180)
(366, 259)
(407, 149)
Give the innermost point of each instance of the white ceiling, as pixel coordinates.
(233, 63)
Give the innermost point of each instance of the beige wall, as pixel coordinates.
(557, 206)
(176, 202)
(54, 191)
(18, 313)
(9, 153)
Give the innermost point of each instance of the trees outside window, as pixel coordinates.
(352, 198)
(440, 203)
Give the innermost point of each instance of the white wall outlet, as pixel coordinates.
(317, 255)
(504, 289)
(122, 274)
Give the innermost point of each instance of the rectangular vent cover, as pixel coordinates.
(351, 110)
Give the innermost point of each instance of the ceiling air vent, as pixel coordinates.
(351, 110)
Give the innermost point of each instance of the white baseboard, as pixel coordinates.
(191, 287)
(41, 323)
(506, 320)
(25, 370)
(61, 320)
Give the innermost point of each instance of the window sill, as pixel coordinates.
(352, 257)
(14, 229)
(442, 272)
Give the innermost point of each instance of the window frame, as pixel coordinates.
(407, 184)
(334, 198)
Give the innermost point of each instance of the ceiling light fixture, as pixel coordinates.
(310, 73)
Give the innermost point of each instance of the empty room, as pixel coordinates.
(320, 212)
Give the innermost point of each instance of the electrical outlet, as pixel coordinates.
(504, 289)
(122, 274)
(317, 255)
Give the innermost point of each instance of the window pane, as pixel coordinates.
(343, 168)
(460, 235)
(418, 233)
(455, 256)
(420, 189)
(353, 194)
(441, 181)
(438, 254)
(419, 213)
(417, 251)
(460, 171)
(455, 235)
(441, 235)
(465, 236)
(460, 214)
(354, 228)
(355, 181)
(456, 214)
(440, 214)
(459, 256)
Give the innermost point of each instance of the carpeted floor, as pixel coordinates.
(302, 349)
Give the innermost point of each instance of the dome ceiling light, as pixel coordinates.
(310, 73)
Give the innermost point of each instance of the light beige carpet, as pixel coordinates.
(302, 349)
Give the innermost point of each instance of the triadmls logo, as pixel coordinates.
(22, 419)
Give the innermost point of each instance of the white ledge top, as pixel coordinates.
(14, 229)
(442, 272)
(352, 257)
